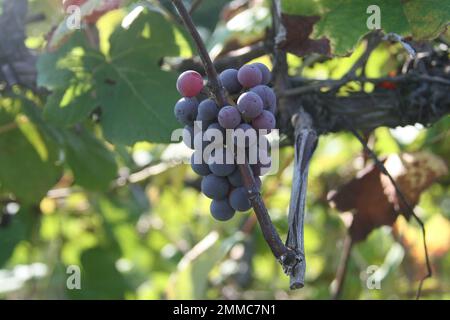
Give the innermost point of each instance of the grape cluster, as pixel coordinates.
(224, 136)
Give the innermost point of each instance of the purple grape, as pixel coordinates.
(199, 167)
(221, 210)
(250, 105)
(244, 136)
(200, 143)
(267, 96)
(188, 136)
(215, 187)
(266, 120)
(235, 178)
(265, 72)
(190, 83)
(229, 80)
(229, 117)
(217, 126)
(186, 110)
(249, 76)
(221, 162)
(207, 110)
(238, 199)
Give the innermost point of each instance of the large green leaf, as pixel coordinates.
(137, 97)
(66, 107)
(93, 165)
(344, 22)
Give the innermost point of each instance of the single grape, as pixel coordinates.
(267, 96)
(249, 76)
(207, 110)
(250, 105)
(221, 162)
(188, 136)
(221, 210)
(266, 120)
(186, 110)
(218, 127)
(235, 178)
(265, 72)
(229, 80)
(229, 117)
(200, 142)
(244, 136)
(189, 83)
(198, 165)
(238, 199)
(215, 187)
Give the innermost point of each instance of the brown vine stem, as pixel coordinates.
(286, 256)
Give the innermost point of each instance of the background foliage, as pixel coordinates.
(88, 177)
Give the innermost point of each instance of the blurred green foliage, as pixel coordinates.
(130, 215)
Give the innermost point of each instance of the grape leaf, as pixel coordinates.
(137, 97)
(70, 106)
(344, 22)
(27, 160)
(93, 165)
(373, 198)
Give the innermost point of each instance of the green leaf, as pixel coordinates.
(93, 165)
(344, 22)
(10, 236)
(70, 106)
(57, 69)
(27, 160)
(136, 96)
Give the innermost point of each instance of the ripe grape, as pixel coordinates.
(238, 199)
(235, 178)
(229, 80)
(215, 187)
(199, 167)
(244, 136)
(221, 210)
(250, 105)
(186, 110)
(229, 117)
(265, 72)
(189, 83)
(221, 162)
(188, 136)
(267, 96)
(249, 76)
(207, 110)
(266, 120)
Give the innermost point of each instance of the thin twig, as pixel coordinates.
(282, 253)
(195, 4)
(342, 268)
